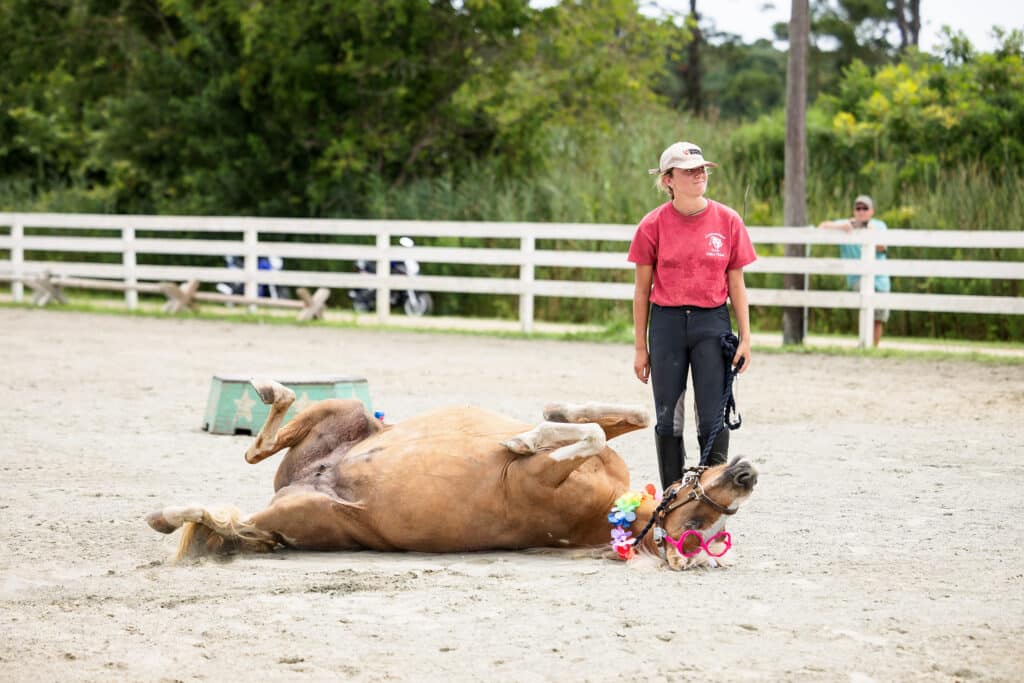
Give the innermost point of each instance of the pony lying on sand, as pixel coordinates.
(463, 479)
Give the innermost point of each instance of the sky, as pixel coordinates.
(751, 21)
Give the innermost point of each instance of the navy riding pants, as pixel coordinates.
(682, 340)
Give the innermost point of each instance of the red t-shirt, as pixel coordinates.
(691, 254)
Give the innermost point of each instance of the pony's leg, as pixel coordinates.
(567, 446)
(211, 530)
(303, 518)
(280, 399)
(614, 419)
(316, 431)
(221, 519)
(298, 517)
(568, 440)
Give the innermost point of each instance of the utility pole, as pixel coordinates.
(795, 203)
(694, 71)
(908, 21)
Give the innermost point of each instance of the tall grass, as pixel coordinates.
(602, 177)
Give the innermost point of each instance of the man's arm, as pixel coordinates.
(844, 225)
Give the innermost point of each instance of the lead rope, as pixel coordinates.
(729, 342)
(654, 516)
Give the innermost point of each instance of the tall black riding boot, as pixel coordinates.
(719, 450)
(670, 458)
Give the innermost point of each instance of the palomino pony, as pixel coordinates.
(454, 480)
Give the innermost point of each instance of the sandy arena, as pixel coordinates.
(885, 540)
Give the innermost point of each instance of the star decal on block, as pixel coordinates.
(243, 407)
(303, 402)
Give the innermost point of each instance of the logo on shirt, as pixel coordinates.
(715, 244)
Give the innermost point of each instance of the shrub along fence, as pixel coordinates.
(527, 261)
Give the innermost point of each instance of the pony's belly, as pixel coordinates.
(479, 511)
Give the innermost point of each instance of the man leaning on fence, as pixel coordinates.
(863, 218)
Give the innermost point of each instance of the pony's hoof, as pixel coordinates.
(520, 445)
(271, 392)
(157, 522)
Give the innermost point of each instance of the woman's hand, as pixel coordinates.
(742, 352)
(642, 365)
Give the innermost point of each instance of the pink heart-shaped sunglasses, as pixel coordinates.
(722, 537)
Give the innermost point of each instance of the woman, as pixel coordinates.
(689, 255)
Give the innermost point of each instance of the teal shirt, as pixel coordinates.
(882, 283)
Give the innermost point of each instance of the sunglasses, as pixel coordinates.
(861, 207)
(722, 537)
(694, 172)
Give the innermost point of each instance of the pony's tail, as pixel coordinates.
(224, 534)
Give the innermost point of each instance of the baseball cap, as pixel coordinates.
(681, 155)
(864, 199)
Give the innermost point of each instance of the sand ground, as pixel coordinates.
(884, 541)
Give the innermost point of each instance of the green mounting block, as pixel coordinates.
(234, 407)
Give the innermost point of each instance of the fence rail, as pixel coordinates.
(252, 238)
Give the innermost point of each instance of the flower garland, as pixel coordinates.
(623, 514)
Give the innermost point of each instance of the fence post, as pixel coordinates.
(866, 325)
(17, 261)
(807, 287)
(527, 247)
(131, 295)
(383, 272)
(251, 258)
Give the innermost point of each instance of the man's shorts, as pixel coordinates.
(881, 315)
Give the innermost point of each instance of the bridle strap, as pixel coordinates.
(697, 493)
(666, 506)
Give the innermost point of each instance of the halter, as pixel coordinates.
(668, 503)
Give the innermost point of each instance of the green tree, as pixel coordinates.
(744, 80)
(298, 109)
(292, 109)
(55, 63)
(582, 65)
(896, 126)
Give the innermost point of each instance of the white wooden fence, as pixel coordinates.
(242, 236)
